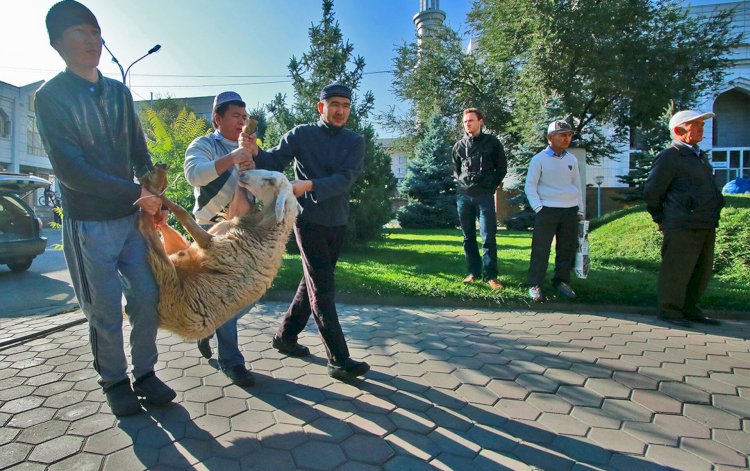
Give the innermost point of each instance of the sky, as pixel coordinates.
(211, 46)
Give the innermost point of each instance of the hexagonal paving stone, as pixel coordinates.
(711, 416)
(617, 440)
(549, 403)
(626, 410)
(318, 455)
(595, 417)
(211, 424)
(13, 453)
(650, 433)
(56, 449)
(537, 383)
(563, 424)
(31, 417)
(283, 436)
(657, 401)
(295, 414)
(43, 432)
(203, 394)
(79, 410)
(675, 458)
(685, 426)
(91, 425)
(226, 407)
(21, 404)
(714, 452)
(608, 388)
(108, 441)
(79, 462)
(683, 392)
(739, 406)
(328, 429)
(367, 448)
(517, 409)
(64, 399)
(477, 394)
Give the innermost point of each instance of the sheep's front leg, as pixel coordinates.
(201, 237)
(155, 245)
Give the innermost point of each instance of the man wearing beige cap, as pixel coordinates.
(685, 202)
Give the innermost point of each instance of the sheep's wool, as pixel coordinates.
(201, 288)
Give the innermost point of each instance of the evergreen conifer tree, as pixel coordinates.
(429, 186)
(328, 60)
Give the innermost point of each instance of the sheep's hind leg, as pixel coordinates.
(201, 237)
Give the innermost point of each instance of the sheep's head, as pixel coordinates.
(273, 190)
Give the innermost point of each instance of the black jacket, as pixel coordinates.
(479, 164)
(680, 191)
(333, 158)
(95, 143)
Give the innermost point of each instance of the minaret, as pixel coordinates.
(429, 16)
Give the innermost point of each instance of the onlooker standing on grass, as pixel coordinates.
(553, 188)
(479, 165)
(212, 166)
(328, 159)
(95, 143)
(685, 202)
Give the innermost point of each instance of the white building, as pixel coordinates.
(21, 147)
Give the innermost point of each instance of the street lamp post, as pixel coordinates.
(124, 72)
(599, 180)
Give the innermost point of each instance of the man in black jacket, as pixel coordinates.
(479, 165)
(95, 143)
(328, 159)
(685, 202)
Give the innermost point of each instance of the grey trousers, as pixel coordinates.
(107, 259)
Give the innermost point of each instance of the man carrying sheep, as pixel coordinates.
(328, 159)
(93, 138)
(212, 166)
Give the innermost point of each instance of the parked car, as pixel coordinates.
(20, 241)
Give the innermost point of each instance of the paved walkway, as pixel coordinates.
(449, 389)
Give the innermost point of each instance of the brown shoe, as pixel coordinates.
(469, 279)
(494, 284)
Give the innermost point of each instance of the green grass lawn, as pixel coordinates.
(428, 266)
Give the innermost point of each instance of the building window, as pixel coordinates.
(31, 103)
(33, 139)
(4, 124)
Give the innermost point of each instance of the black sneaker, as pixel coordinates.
(204, 346)
(153, 390)
(239, 376)
(293, 349)
(347, 369)
(122, 400)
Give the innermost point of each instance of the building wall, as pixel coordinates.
(20, 144)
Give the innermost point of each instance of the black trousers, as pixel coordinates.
(319, 248)
(687, 257)
(561, 223)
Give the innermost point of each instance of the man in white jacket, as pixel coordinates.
(553, 188)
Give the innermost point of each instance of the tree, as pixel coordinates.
(167, 141)
(650, 142)
(329, 59)
(429, 186)
(609, 62)
(438, 77)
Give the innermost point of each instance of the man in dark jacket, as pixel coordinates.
(479, 165)
(95, 143)
(685, 202)
(328, 159)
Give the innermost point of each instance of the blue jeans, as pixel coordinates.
(471, 207)
(226, 337)
(106, 260)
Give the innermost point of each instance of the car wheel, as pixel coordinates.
(20, 266)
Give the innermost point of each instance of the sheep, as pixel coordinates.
(227, 268)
